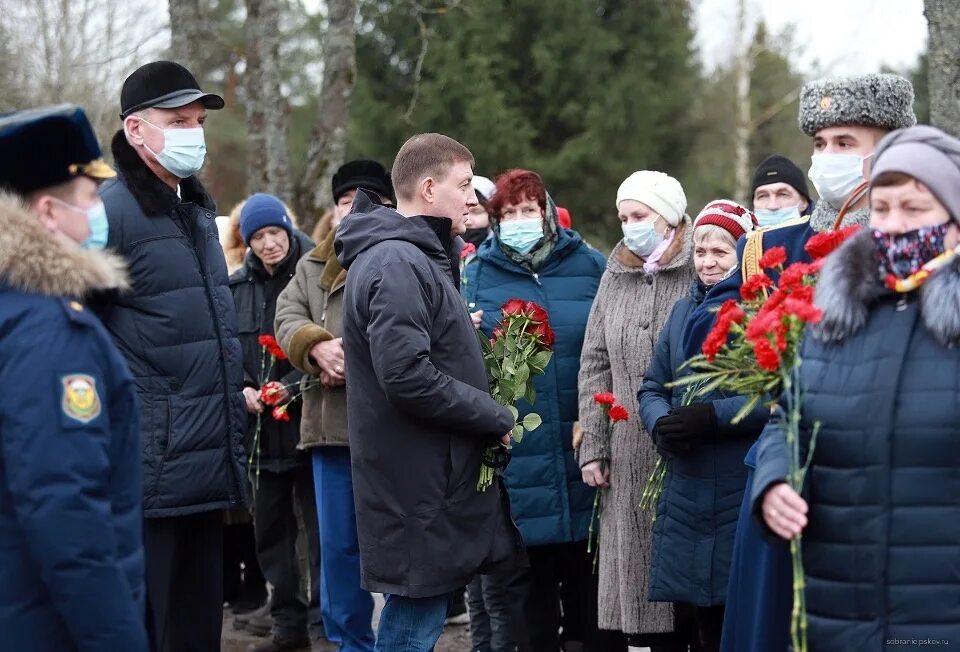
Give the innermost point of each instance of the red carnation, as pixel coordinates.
(805, 310)
(754, 284)
(280, 413)
(545, 334)
(823, 244)
(514, 307)
(729, 313)
(468, 250)
(773, 257)
(618, 413)
(266, 340)
(767, 358)
(604, 398)
(535, 312)
(272, 393)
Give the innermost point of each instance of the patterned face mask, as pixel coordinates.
(901, 254)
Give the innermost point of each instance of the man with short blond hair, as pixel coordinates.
(419, 411)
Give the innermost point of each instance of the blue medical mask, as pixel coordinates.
(836, 175)
(97, 222)
(521, 235)
(641, 238)
(183, 150)
(771, 216)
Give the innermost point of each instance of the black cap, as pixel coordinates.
(362, 173)
(780, 169)
(163, 85)
(48, 146)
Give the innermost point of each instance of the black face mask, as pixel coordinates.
(476, 236)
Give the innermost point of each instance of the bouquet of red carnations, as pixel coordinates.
(521, 348)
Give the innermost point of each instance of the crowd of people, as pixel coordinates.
(287, 424)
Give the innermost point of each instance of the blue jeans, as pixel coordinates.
(347, 608)
(412, 624)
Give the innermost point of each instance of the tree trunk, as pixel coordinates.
(328, 142)
(943, 25)
(268, 168)
(741, 149)
(187, 34)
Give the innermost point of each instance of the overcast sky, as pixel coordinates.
(838, 37)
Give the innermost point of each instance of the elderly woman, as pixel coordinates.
(697, 512)
(280, 472)
(880, 372)
(646, 273)
(530, 257)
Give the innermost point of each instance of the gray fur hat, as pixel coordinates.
(875, 100)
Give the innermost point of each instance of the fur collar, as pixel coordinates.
(334, 275)
(824, 215)
(34, 260)
(849, 286)
(153, 195)
(624, 261)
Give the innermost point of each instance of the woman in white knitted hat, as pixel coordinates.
(647, 272)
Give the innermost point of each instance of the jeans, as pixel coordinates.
(275, 523)
(411, 624)
(489, 604)
(347, 608)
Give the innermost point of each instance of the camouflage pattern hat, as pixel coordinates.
(875, 100)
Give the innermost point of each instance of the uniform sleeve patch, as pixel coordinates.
(80, 400)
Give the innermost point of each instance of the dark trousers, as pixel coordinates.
(276, 527)
(184, 561)
(244, 586)
(489, 603)
(540, 589)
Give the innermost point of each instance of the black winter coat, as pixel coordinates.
(177, 328)
(419, 410)
(881, 373)
(255, 293)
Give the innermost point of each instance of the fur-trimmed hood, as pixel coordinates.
(153, 195)
(824, 215)
(849, 285)
(36, 261)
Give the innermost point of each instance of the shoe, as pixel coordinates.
(241, 620)
(260, 624)
(282, 643)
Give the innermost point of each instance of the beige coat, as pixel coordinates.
(630, 310)
(309, 311)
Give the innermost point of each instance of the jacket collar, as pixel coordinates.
(624, 261)
(34, 260)
(153, 195)
(333, 275)
(849, 286)
(824, 215)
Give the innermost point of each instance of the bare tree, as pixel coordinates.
(743, 65)
(943, 25)
(188, 31)
(268, 166)
(328, 142)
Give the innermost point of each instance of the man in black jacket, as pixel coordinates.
(419, 409)
(177, 329)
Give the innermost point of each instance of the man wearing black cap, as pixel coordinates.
(71, 545)
(779, 191)
(178, 331)
(353, 175)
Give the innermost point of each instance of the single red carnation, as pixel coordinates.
(280, 413)
(767, 358)
(823, 244)
(618, 413)
(514, 307)
(731, 310)
(535, 312)
(468, 250)
(604, 398)
(773, 257)
(271, 393)
(714, 342)
(266, 340)
(545, 334)
(754, 284)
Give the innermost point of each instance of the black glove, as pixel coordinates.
(684, 428)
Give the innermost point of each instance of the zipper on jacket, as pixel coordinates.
(536, 278)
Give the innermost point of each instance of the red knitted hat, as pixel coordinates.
(728, 215)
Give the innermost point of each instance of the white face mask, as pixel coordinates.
(183, 150)
(771, 216)
(835, 176)
(641, 238)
